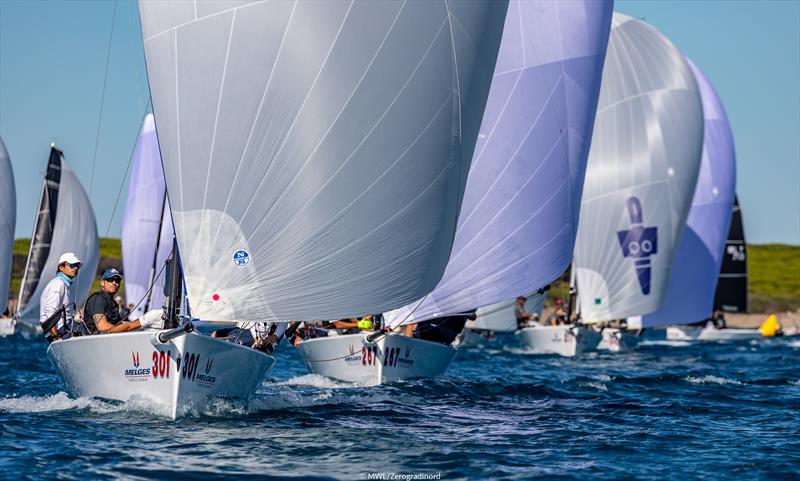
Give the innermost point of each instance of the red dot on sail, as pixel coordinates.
(215, 297)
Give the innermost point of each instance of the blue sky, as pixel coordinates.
(53, 63)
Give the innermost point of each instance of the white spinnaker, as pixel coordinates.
(8, 219)
(642, 170)
(519, 218)
(316, 152)
(146, 225)
(500, 317)
(75, 230)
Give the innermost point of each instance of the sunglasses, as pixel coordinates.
(115, 280)
(76, 265)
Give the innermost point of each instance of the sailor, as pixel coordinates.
(559, 316)
(523, 318)
(56, 295)
(101, 313)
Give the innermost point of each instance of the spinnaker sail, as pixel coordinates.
(146, 225)
(641, 174)
(731, 294)
(8, 219)
(65, 223)
(690, 292)
(519, 218)
(316, 152)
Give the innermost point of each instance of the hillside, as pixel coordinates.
(774, 273)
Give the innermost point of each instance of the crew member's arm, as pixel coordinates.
(345, 324)
(51, 303)
(103, 325)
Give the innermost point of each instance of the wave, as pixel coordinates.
(711, 379)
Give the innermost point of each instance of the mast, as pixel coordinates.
(173, 288)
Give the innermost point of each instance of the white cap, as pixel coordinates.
(69, 258)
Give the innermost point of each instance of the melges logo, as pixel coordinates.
(639, 243)
(137, 374)
(204, 378)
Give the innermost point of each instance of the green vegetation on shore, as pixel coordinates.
(774, 273)
(773, 277)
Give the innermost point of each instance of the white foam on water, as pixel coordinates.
(595, 385)
(602, 377)
(666, 343)
(710, 379)
(315, 380)
(38, 404)
(795, 343)
(795, 383)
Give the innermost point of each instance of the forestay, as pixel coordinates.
(8, 219)
(642, 170)
(146, 225)
(693, 279)
(65, 223)
(520, 212)
(316, 152)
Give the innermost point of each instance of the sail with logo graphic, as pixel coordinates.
(65, 223)
(520, 213)
(690, 293)
(731, 294)
(146, 225)
(641, 174)
(316, 153)
(8, 219)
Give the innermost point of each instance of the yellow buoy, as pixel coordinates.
(770, 326)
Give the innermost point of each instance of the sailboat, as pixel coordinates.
(731, 293)
(8, 219)
(641, 177)
(690, 291)
(147, 231)
(496, 321)
(315, 154)
(65, 222)
(519, 213)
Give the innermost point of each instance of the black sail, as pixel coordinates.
(731, 293)
(43, 231)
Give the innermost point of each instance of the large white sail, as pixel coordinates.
(520, 212)
(65, 223)
(696, 266)
(642, 170)
(8, 219)
(316, 152)
(146, 225)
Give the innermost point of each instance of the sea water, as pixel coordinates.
(666, 411)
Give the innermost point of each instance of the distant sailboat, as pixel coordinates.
(315, 155)
(731, 293)
(500, 318)
(65, 222)
(519, 215)
(642, 172)
(146, 225)
(8, 219)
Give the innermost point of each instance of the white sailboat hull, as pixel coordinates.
(687, 333)
(617, 340)
(562, 340)
(391, 358)
(185, 373)
(7, 327)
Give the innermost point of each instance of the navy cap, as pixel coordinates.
(111, 272)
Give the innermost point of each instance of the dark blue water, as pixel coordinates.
(662, 412)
